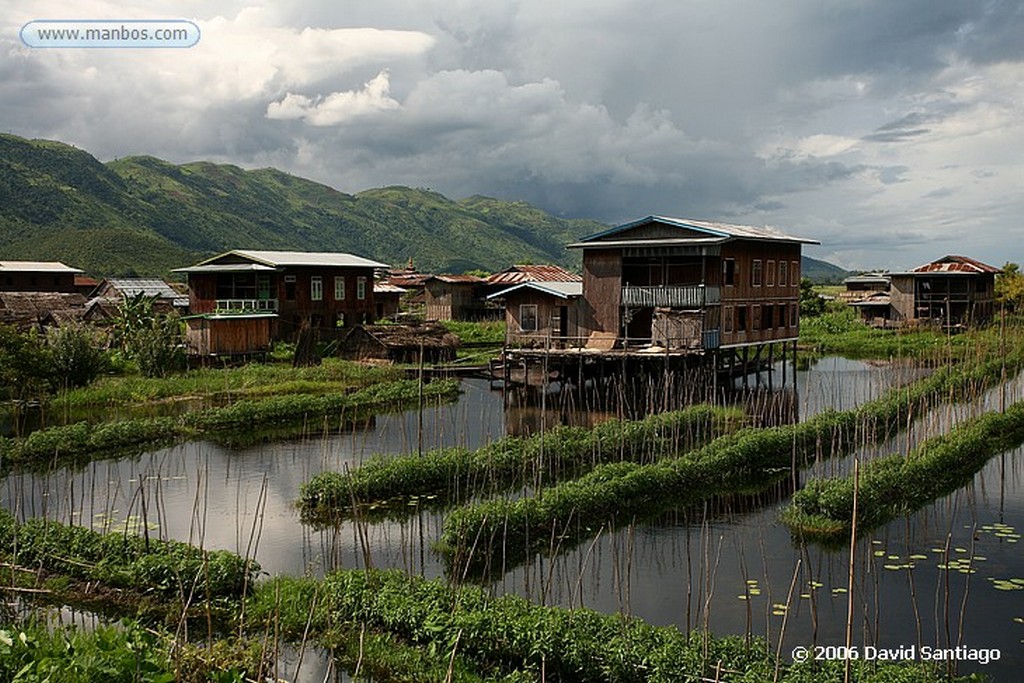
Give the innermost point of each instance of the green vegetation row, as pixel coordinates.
(125, 560)
(501, 532)
(82, 439)
(559, 453)
(894, 485)
(253, 380)
(513, 640)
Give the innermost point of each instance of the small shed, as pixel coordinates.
(876, 309)
(542, 314)
(456, 297)
(399, 343)
(386, 297)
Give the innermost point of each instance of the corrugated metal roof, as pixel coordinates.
(562, 290)
(37, 266)
(532, 273)
(385, 288)
(226, 268)
(956, 264)
(725, 231)
(280, 259)
(472, 279)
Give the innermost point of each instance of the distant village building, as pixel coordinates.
(542, 314)
(457, 297)
(117, 290)
(953, 291)
(857, 287)
(243, 300)
(38, 310)
(37, 276)
(387, 298)
(690, 285)
(517, 274)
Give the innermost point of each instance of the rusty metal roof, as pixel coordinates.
(952, 263)
(458, 279)
(533, 273)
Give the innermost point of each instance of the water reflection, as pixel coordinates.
(688, 568)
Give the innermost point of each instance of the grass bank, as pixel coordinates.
(241, 420)
(453, 474)
(842, 333)
(503, 532)
(891, 486)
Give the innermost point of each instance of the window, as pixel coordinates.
(360, 288)
(755, 273)
(794, 273)
(339, 320)
(793, 319)
(727, 323)
(729, 271)
(339, 288)
(769, 316)
(770, 275)
(783, 274)
(289, 287)
(755, 323)
(741, 318)
(782, 316)
(316, 288)
(528, 317)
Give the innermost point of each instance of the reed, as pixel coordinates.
(110, 439)
(480, 536)
(823, 510)
(452, 474)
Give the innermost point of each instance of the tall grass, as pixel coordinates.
(894, 485)
(452, 474)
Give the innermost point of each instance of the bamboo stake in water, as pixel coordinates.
(849, 588)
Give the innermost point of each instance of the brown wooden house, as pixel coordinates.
(243, 300)
(542, 314)
(690, 285)
(37, 276)
(953, 291)
(456, 297)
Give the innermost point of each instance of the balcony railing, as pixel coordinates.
(671, 296)
(239, 306)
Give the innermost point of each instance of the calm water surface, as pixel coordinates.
(687, 569)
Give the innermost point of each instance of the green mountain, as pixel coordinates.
(822, 272)
(142, 215)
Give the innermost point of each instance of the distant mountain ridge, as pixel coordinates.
(143, 215)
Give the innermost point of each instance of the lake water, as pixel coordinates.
(687, 569)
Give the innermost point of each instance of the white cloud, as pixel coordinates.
(337, 107)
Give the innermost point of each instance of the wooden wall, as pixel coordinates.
(548, 307)
(37, 282)
(602, 290)
(762, 304)
(227, 336)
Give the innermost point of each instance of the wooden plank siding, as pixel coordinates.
(557, 320)
(227, 336)
(767, 309)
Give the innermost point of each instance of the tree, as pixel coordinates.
(26, 366)
(1010, 288)
(77, 356)
(153, 341)
(811, 303)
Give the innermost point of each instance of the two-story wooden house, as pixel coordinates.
(690, 285)
(243, 300)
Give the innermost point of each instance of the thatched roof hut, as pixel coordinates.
(399, 343)
(39, 309)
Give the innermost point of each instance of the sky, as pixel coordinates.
(890, 131)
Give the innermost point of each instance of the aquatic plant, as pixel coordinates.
(502, 532)
(890, 486)
(560, 452)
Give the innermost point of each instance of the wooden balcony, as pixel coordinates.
(243, 306)
(671, 296)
